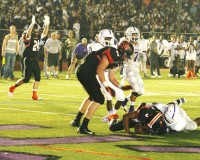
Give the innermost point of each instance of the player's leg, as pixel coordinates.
(36, 74)
(76, 121)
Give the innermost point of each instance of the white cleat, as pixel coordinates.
(105, 119)
(10, 94)
(67, 76)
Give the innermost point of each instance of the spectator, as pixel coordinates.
(52, 50)
(77, 56)
(191, 57)
(153, 50)
(172, 53)
(10, 48)
(70, 45)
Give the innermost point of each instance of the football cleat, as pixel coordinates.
(112, 118)
(112, 121)
(56, 76)
(105, 119)
(10, 91)
(83, 130)
(36, 98)
(67, 76)
(74, 123)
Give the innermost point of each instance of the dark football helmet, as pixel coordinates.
(153, 119)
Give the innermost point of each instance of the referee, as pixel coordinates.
(52, 51)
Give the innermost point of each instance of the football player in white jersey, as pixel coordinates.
(176, 118)
(132, 70)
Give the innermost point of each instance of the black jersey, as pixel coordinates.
(32, 47)
(93, 59)
(153, 120)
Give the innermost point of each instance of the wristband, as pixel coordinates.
(105, 84)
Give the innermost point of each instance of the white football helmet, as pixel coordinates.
(132, 34)
(107, 38)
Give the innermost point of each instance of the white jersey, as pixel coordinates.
(94, 46)
(191, 52)
(172, 47)
(175, 117)
(134, 60)
(132, 69)
(181, 52)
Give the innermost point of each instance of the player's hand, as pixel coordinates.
(183, 100)
(129, 134)
(126, 87)
(46, 20)
(111, 91)
(33, 20)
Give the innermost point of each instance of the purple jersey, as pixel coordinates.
(80, 51)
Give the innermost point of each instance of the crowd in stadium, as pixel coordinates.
(89, 16)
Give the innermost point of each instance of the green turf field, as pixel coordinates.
(62, 99)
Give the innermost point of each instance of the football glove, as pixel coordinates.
(111, 91)
(126, 87)
(33, 19)
(46, 20)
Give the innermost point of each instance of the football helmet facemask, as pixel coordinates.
(107, 38)
(132, 34)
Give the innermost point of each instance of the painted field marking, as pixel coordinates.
(93, 152)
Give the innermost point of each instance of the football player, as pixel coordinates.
(134, 54)
(95, 64)
(119, 93)
(145, 120)
(30, 54)
(175, 117)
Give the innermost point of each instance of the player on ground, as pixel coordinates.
(175, 118)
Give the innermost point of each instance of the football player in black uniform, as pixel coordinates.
(146, 120)
(95, 64)
(30, 55)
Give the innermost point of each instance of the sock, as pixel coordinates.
(78, 116)
(114, 111)
(34, 92)
(125, 102)
(110, 112)
(131, 109)
(12, 88)
(85, 122)
(56, 73)
(48, 73)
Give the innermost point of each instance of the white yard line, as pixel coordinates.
(42, 112)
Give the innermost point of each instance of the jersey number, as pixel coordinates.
(36, 45)
(135, 56)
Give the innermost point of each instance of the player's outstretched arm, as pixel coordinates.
(46, 26)
(30, 28)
